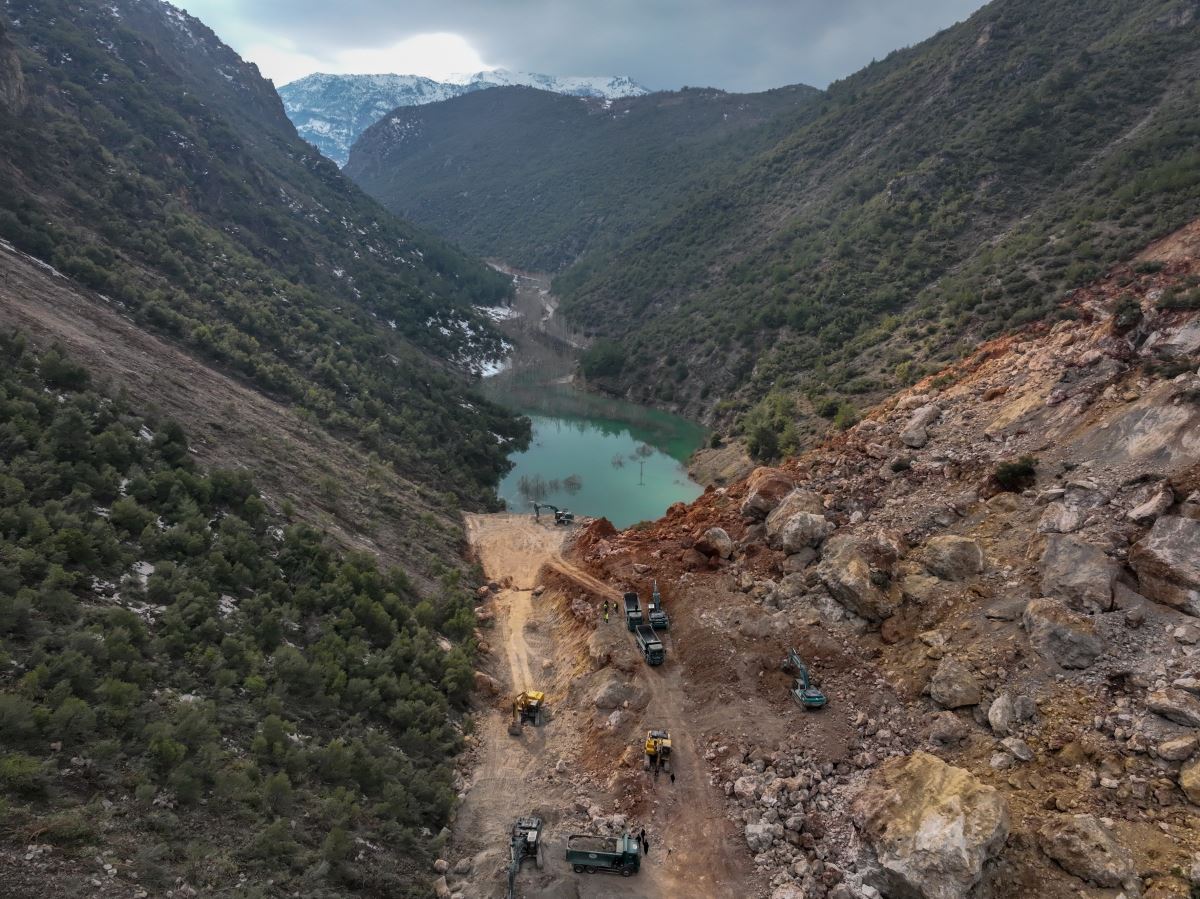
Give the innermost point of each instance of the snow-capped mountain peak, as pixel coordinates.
(331, 111)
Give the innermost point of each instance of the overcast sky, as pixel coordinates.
(734, 44)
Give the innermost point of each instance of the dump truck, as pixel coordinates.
(803, 691)
(655, 613)
(658, 751)
(591, 853)
(633, 611)
(648, 642)
(525, 842)
(527, 709)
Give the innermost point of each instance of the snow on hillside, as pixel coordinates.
(331, 111)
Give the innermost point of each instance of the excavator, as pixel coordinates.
(525, 842)
(527, 709)
(658, 752)
(561, 516)
(807, 695)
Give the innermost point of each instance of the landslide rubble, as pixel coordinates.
(1007, 626)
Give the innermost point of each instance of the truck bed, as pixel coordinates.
(583, 842)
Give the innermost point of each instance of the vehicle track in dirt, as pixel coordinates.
(537, 645)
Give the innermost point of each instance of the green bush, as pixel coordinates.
(1012, 477)
(71, 828)
(22, 775)
(603, 359)
(846, 417)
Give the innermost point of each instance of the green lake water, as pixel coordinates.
(597, 456)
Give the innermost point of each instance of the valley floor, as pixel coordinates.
(581, 771)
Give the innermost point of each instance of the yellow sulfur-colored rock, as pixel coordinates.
(927, 828)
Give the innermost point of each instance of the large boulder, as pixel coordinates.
(858, 574)
(1189, 781)
(1175, 705)
(796, 501)
(1059, 519)
(716, 542)
(765, 489)
(485, 684)
(1155, 505)
(953, 685)
(1167, 562)
(916, 432)
(1078, 572)
(1178, 749)
(1002, 713)
(1060, 635)
(803, 530)
(1075, 504)
(927, 828)
(954, 558)
(1086, 848)
(759, 837)
(612, 689)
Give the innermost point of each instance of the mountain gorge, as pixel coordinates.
(854, 241)
(266, 629)
(331, 111)
(539, 180)
(237, 429)
(173, 184)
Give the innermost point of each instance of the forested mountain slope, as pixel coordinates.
(198, 694)
(538, 179)
(953, 190)
(142, 157)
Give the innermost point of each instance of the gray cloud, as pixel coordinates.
(744, 45)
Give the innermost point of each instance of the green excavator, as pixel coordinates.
(561, 516)
(803, 691)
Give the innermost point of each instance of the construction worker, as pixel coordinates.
(606, 611)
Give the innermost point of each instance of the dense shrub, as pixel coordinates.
(1011, 477)
(157, 622)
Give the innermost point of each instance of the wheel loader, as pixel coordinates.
(658, 751)
(527, 709)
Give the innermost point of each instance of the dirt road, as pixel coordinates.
(555, 771)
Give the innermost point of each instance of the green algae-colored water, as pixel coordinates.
(595, 455)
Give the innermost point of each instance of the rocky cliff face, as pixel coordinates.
(999, 568)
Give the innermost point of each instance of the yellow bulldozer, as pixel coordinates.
(528, 708)
(658, 751)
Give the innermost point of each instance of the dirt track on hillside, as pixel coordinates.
(572, 761)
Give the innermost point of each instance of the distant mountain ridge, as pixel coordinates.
(539, 179)
(331, 111)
